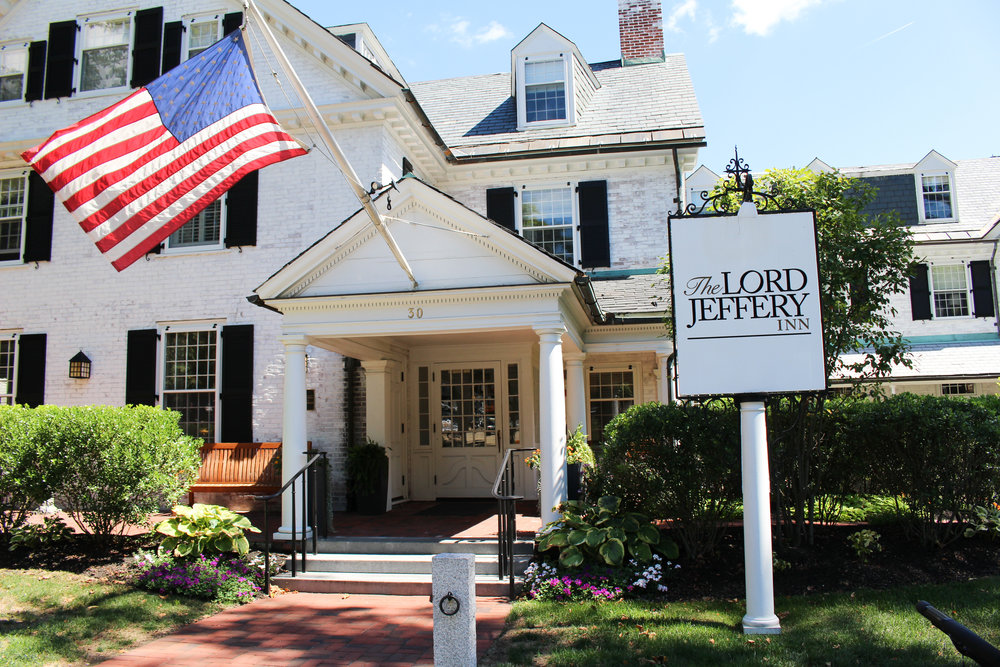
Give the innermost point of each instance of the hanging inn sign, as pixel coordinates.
(746, 301)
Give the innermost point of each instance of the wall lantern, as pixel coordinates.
(79, 366)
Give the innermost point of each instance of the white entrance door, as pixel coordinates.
(468, 443)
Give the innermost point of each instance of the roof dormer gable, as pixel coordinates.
(934, 179)
(551, 82)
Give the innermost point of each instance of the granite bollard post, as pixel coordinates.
(453, 595)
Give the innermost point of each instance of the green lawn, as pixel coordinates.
(861, 628)
(55, 617)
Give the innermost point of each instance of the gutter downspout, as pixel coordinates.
(993, 284)
(677, 183)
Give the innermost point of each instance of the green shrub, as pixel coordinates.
(941, 454)
(602, 533)
(984, 520)
(365, 466)
(26, 466)
(679, 462)
(122, 463)
(865, 543)
(52, 530)
(208, 529)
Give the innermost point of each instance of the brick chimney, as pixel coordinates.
(640, 25)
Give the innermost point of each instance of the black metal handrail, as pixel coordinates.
(504, 491)
(309, 513)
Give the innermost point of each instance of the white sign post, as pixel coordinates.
(748, 322)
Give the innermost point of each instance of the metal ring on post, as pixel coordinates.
(449, 605)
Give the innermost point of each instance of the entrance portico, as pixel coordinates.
(465, 366)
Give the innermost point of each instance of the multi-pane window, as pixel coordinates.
(611, 393)
(949, 290)
(513, 407)
(204, 229)
(8, 349)
(958, 388)
(544, 91)
(937, 196)
(423, 406)
(547, 220)
(189, 380)
(201, 34)
(12, 199)
(104, 54)
(13, 64)
(468, 408)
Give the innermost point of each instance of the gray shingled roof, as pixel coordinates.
(656, 102)
(947, 360)
(977, 196)
(640, 294)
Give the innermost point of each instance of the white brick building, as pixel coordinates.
(583, 160)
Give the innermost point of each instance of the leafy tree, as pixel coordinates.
(863, 260)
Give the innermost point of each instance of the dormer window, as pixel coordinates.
(544, 90)
(936, 195)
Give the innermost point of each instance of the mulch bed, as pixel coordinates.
(831, 564)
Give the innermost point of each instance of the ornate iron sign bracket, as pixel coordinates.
(741, 182)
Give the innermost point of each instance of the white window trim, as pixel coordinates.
(208, 247)
(14, 335)
(187, 326)
(968, 289)
(918, 180)
(568, 88)
(23, 44)
(81, 22)
(575, 203)
(635, 368)
(23, 175)
(203, 17)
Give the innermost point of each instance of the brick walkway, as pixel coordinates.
(314, 629)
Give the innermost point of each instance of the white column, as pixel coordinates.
(576, 396)
(760, 617)
(377, 408)
(293, 431)
(663, 377)
(552, 420)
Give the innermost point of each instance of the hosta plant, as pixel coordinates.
(602, 533)
(208, 529)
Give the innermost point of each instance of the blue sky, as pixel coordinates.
(853, 82)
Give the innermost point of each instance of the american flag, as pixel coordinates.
(137, 171)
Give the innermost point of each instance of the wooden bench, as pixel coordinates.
(248, 468)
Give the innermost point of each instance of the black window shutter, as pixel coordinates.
(140, 367)
(60, 59)
(982, 289)
(146, 50)
(920, 292)
(241, 212)
(500, 207)
(231, 22)
(38, 221)
(595, 240)
(172, 35)
(30, 370)
(34, 87)
(237, 383)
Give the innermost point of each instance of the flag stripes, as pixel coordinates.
(127, 179)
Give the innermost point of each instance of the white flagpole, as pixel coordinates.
(330, 141)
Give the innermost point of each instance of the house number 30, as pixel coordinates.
(415, 313)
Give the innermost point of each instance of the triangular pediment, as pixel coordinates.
(447, 245)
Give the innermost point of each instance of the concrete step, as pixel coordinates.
(382, 583)
(486, 564)
(415, 545)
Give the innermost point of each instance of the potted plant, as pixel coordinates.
(578, 455)
(368, 476)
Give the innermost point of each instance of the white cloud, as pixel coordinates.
(459, 30)
(685, 9)
(757, 17)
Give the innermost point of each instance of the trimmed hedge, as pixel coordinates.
(107, 466)
(678, 462)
